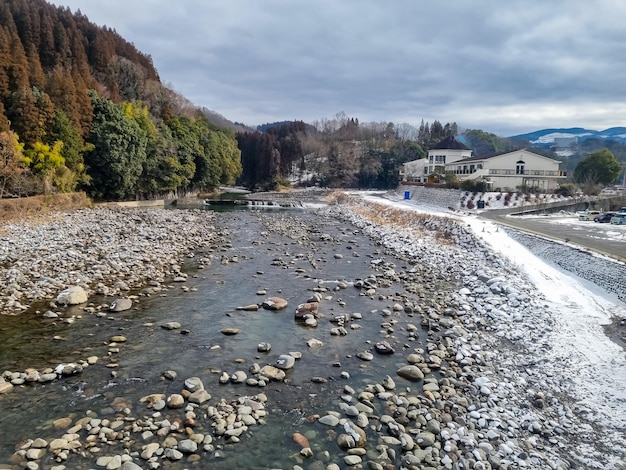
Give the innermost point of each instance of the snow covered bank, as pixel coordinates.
(548, 342)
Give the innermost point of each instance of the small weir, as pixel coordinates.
(257, 203)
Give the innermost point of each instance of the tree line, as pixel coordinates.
(335, 152)
(81, 108)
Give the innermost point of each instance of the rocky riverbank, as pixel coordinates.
(496, 337)
(470, 387)
(102, 251)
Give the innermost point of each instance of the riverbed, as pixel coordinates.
(200, 316)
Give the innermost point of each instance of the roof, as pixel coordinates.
(450, 143)
(478, 159)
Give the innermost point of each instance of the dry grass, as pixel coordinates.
(413, 222)
(338, 197)
(36, 207)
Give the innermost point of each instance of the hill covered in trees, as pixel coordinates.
(82, 108)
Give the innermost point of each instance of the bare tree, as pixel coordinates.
(406, 131)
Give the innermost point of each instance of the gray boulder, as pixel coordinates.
(73, 295)
(120, 305)
(285, 361)
(412, 373)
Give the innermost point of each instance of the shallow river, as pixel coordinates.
(259, 259)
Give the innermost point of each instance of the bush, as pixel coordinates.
(474, 186)
(276, 184)
(470, 204)
(567, 189)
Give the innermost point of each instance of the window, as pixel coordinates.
(440, 159)
(519, 169)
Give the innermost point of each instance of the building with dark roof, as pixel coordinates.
(432, 168)
(518, 170)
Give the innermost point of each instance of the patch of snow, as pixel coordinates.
(549, 138)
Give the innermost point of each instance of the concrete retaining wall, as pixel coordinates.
(610, 276)
(152, 203)
(438, 197)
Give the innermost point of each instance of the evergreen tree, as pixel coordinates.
(73, 150)
(119, 152)
(600, 167)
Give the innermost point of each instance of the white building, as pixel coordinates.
(512, 171)
(517, 170)
(430, 169)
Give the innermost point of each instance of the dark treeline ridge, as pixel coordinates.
(82, 108)
(337, 152)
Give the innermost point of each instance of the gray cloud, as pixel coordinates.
(505, 67)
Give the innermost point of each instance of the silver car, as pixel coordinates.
(619, 219)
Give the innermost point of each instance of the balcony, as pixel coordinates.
(529, 173)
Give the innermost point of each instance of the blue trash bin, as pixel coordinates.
(407, 194)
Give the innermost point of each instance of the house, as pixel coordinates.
(430, 169)
(517, 170)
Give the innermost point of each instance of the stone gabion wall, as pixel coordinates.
(610, 276)
(433, 196)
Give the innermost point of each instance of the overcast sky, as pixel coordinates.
(504, 66)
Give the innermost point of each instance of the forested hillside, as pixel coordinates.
(82, 108)
(337, 152)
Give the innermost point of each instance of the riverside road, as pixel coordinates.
(585, 234)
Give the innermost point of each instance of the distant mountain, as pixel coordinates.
(546, 137)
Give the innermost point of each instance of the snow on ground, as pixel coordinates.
(603, 231)
(508, 200)
(597, 365)
(581, 352)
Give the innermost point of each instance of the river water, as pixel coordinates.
(259, 254)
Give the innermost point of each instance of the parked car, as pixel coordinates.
(604, 217)
(622, 210)
(588, 215)
(619, 219)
